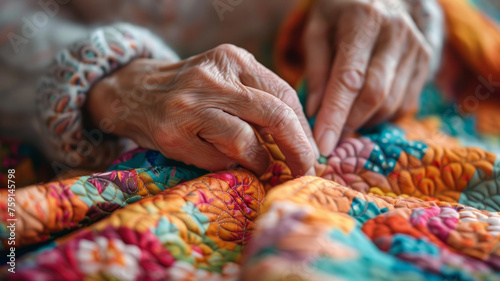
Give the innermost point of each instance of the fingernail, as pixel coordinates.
(326, 143)
(311, 172)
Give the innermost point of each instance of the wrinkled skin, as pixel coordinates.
(366, 62)
(203, 110)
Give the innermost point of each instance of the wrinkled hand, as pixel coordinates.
(202, 110)
(366, 62)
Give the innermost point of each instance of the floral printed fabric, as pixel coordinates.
(399, 208)
(48, 209)
(402, 201)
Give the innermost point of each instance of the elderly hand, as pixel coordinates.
(366, 61)
(203, 110)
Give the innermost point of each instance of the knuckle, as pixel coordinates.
(351, 80)
(366, 8)
(202, 76)
(400, 21)
(183, 103)
(232, 50)
(281, 117)
(373, 13)
(232, 53)
(227, 48)
(196, 72)
(376, 93)
(287, 94)
(376, 84)
(294, 103)
(399, 27)
(245, 96)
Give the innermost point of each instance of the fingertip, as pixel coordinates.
(327, 143)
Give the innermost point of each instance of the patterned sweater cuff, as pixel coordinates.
(61, 92)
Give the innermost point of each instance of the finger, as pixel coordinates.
(274, 117)
(236, 139)
(201, 154)
(259, 77)
(416, 84)
(345, 82)
(397, 93)
(317, 62)
(379, 79)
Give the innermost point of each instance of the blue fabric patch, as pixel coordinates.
(369, 262)
(390, 141)
(152, 158)
(405, 244)
(362, 210)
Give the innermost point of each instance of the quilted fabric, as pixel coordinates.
(50, 208)
(416, 199)
(398, 208)
(353, 236)
(193, 231)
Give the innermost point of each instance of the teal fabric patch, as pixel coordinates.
(362, 210)
(483, 192)
(323, 160)
(390, 141)
(368, 263)
(142, 158)
(432, 102)
(405, 244)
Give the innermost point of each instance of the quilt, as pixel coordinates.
(414, 199)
